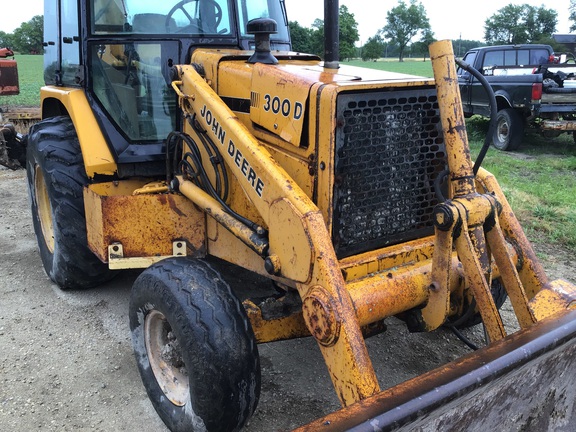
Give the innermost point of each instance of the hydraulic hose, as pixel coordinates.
(493, 111)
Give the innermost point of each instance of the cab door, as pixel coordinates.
(62, 60)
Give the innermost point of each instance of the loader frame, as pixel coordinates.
(471, 222)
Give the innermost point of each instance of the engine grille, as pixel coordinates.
(389, 151)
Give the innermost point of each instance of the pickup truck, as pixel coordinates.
(533, 87)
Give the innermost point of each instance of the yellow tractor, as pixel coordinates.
(183, 137)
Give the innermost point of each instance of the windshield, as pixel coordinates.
(251, 9)
(199, 17)
(186, 17)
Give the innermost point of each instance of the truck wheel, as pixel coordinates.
(509, 130)
(471, 315)
(56, 177)
(194, 346)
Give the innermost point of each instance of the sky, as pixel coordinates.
(449, 19)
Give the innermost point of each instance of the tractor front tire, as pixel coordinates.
(194, 347)
(56, 178)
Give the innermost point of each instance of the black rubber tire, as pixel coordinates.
(509, 130)
(471, 316)
(214, 338)
(55, 169)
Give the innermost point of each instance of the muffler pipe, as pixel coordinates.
(331, 35)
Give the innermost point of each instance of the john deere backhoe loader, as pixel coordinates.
(180, 135)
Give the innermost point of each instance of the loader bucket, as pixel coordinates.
(526, 381)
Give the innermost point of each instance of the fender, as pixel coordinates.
(98, 160)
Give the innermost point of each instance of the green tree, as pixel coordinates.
(29, 36)
(404, 23)
(516, 24)
(421, 47)
(572, 16)
(348, 31)
(373, 49)
(317, 39)
(6, 40)
(301, 37)
(462, 46)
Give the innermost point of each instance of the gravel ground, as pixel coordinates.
(66, 361)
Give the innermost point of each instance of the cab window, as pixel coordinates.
(186, 17)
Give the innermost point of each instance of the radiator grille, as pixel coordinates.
(389, 151)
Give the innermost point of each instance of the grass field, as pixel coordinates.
(539, 180)
(31, 77)
(408, 66)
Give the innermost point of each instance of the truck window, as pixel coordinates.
(538, 56)
(469, 58)
(510, 58)
(524, 57)
(494, 58)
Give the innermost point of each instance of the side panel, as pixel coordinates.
(145, 225)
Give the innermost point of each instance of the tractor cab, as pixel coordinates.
(122, 51)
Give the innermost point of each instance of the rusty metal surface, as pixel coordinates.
(275, 329)
(556, 295)
(145, 225)
(9, 78)
(523, 382)
(20, 113)
(564, 125)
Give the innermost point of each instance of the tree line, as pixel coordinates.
(408, 31)
(26, 39)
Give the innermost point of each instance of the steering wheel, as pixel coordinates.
(193, 22)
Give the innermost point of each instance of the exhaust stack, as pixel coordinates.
(331, 35)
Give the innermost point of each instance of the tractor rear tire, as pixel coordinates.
(194, 347)
(56, 178)
(509, 130)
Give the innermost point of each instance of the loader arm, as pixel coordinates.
(300, 247)
(472, 219)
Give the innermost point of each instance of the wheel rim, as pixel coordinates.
(166, 358)
(44, 208)
(503, 131)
